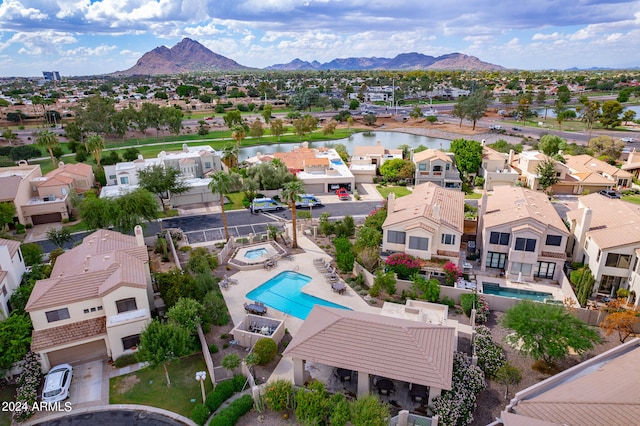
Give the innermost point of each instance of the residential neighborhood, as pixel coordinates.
(237, 259)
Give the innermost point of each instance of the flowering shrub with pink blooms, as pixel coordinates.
(451, 273)
(490, 356)
(28, 383)
(403, 264)
(455, 407)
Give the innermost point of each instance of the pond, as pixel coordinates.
(387, 139)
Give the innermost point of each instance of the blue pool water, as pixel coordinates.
(282, 292)
(255, 253)
(496, 290)
(336, 162)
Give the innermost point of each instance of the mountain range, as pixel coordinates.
(190, 56)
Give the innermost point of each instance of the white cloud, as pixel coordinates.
(13, 9)
(539, 36)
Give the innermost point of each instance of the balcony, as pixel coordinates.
(129, 316)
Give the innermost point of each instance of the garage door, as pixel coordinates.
(78, 353)
(46, 218)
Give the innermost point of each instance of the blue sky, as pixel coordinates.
(87, 37)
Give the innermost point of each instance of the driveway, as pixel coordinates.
(87, 384)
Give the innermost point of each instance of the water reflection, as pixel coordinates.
(387, 139)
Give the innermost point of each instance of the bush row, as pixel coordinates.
(216, 397)
(230, 415)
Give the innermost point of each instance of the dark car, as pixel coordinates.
(609, 193)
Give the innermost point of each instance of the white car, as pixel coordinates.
(627, 140)
(56, 383)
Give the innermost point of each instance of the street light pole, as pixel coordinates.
(201, 376)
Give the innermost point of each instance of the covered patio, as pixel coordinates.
(408, 363)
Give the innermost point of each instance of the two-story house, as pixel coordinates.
(96, 302)
(16, 187)
(427, 223)
(11, 270)
(436, 167)
(496, 169)
(366, 161)
(521, 234)
(605, 235)
(584, 164)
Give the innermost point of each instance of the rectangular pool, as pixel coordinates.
(283, 292)
(496, 290)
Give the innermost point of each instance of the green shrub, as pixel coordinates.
(231, 414)
(200, 414)
(312, 404)
(446, 300)
(266, 350)
(213, 349)
(278, 395)
(185, 249)
(220, 394)
(125, 360)
(238, 382)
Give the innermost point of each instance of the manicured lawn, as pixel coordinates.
(149, 386)
(473, 196)
(236, 201)
(635, 199)
(400, 191)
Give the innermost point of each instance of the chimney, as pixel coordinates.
(137, 231)
(391, 202)
(587, 215)
(511, 154)
(185, 147)
(61, 165)
(436, 212)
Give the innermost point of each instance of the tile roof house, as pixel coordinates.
(496, 169)
(521, 233)
(16, 187)
(404, 350)
(632, 165)
(321, 170)
(585, 164)
(427, 223)
(600, 391)
(96, 302)
(366, 160)
(605, 234)
(12, 268)
(437, 167)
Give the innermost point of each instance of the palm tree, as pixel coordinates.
(48, 140)
(238, 133)
(220, 184)
(95, 145)
(8, 134)
(230, 156)
(291, 194)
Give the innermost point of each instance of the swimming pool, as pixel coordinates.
(282, 292)
(496, 290)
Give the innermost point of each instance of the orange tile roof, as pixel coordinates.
(294, 159)
(316, 162)
(400, 349)
(431, 154)
(75, 332)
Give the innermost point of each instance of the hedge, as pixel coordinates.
(200, 414)
(230, 415)
(220, 394)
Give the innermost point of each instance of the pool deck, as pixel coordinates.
(555, 290)
(235, 295)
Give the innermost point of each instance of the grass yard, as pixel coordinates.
(400, 191)
(149, 386)
(235, 199)
(635, 199)
(473, 196)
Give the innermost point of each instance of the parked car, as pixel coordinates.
(307, 201)
(516, 128)
(56, 383)
(342, 194)
(609, 193)
(265, 205)
(627, 140)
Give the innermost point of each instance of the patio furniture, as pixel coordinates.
(230, 280)
(343, 374)
(418, 393)
(385, 386)
(339, 287)
(224, 284)
(255, 308)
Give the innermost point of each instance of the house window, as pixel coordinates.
(447, 166)
(586, 244)
(635, 264)
(554, 240)
(525, 244)
(20, 255)
(448, 239)
(130, 341)
(57, 315)
(437, 168)
(422, 166)
(396, 237)
(501, 238)
(618, 260)
(112, 177)
(544, 270)
(419, 243)
(124, 180)
(86, 311)
(207, 164)
(496, 260)
(125, 305)
(4, 290)
(517, 267)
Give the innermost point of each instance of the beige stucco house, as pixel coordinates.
(12, 268)
(521, 234)
(605, 234)
(585, 164)
(96, 302)
(496, 168)
(436, 167)
(426, 223)
(366, 161)
(16, 187)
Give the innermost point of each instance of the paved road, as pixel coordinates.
(114, 418)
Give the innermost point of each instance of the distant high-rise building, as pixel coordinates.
(51, 75)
